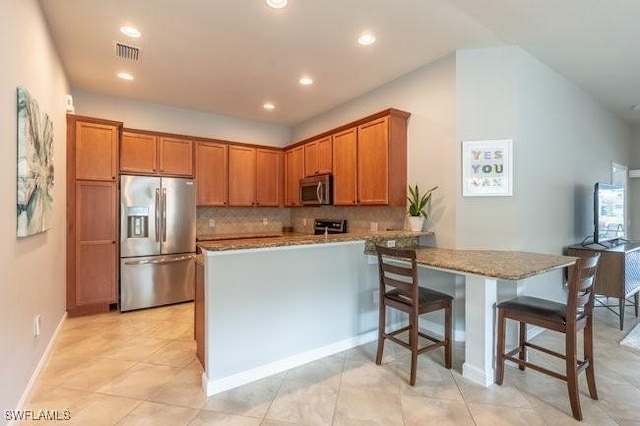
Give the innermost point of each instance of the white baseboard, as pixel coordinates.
(478, 376)
(438, 329)
(40, 367)
(215, 386)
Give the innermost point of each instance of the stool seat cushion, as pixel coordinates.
(541, 308)
(425, 296)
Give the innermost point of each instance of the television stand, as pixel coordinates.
(618, 272)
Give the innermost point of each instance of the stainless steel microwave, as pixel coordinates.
(316, 190)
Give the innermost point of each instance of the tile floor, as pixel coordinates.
(139, 368)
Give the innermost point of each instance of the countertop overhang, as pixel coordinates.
(248, 241)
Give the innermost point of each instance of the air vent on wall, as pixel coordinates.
(124, 51)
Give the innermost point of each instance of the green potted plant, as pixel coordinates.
(418, 205)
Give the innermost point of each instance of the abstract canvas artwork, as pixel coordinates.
(35, 166)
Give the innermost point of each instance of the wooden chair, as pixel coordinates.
(399, 289)
(569, 318)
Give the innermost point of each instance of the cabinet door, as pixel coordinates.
(211, 173)
(325, 155)
(345, 145)
(96, 151)
(268, 177)
(317, 157)
(293, 172)
(373, 162)
(96, 249)
(311, 158)
(176, 156)
(138, 153)
(242, 176)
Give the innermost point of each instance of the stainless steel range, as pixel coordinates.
(329, 226)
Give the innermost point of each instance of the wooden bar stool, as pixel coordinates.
(399, 289)
(569, 318)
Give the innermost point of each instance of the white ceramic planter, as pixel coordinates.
(415, 223)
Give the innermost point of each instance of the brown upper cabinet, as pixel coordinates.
(293, 172)
(138, 153)
(318, 156)
(370, 161)
(268, 181)
(254, 176)
(345, 167)
(212, 169)
(96, 148)
(148, 153)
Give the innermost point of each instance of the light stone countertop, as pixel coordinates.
(291, 239)
(506, 265)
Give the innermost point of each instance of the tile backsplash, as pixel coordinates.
(358, 218)
(234, 220)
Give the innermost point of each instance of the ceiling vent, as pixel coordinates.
(124, 51)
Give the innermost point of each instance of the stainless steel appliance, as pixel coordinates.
(157, 241)
(316, 190)
(329, 226)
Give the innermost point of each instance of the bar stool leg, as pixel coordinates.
(382, 321)
(523, 347)
(413, 342)
(448, 335)
(588, 355)
(500, 348)
(572, 374)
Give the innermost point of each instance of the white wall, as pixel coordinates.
(563, 142)
(33, 268)
(163, 118)
(634, 184)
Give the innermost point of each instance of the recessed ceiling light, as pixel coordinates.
(269, 106)
(277, 4)
(130, 32)
(306, 81)
(366, 39)
(125, 76)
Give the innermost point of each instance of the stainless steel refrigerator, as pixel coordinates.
(157, 241)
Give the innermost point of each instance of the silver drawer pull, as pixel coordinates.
(156, 262)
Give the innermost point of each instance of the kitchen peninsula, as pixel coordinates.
(271, 304)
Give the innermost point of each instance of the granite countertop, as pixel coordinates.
(507, 265)
(264, 240)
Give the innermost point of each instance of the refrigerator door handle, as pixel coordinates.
(157, 214)
(156, 262)
(164, 214)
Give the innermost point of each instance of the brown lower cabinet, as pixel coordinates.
(198, 326)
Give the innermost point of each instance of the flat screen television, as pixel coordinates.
(608, 212)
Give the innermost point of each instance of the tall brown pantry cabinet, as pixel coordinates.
(92, 216)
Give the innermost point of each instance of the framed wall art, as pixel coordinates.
(35, 167)
(487, 168)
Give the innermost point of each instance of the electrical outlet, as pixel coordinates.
(265, 221)
(376, 296)
(391, 243)
(212, 223)
(36, 325)
(373, 226)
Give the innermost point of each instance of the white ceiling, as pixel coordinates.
(230, 57)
